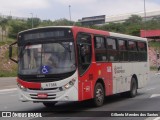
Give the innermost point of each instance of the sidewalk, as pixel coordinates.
(7, 82)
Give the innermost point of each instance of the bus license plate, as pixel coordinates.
(49, 85)
(42, 95)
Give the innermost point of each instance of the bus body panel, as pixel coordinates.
(88, 80)
(33, 89)
(123, 72)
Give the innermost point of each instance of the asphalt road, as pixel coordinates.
(148, 99)
(7, 82)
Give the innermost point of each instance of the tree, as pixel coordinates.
(3, 24)
(36, 22)
(16, 26)
(46, 23)
(63, 22)
(134, 19)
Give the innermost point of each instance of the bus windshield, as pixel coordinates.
(47, 58)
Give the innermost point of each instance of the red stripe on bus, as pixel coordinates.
(29, 84)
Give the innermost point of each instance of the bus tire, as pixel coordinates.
(49, 104)
(133, 88)
(98, 99)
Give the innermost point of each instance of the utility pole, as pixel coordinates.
(32, 19)
(70, 12)
(145, 18)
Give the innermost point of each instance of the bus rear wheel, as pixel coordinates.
(133, 89)
(49, 104)
(98, 95)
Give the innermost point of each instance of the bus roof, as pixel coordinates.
(118, 35)
(93, 31)
(46, 27)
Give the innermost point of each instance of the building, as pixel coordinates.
(94, 20)
(103, 19)
(150, 34)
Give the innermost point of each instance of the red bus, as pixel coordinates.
(70, 63)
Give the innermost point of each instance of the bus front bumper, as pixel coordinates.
(70, 94)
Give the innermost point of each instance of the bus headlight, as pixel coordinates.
(68, 85)
(21, 87)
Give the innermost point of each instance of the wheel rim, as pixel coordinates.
(99, 95)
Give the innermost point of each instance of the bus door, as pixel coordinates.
(84, 64)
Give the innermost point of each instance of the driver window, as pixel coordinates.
(84, 52)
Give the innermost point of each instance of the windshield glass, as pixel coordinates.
(49, 58)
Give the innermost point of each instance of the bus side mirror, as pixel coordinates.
(10, 52)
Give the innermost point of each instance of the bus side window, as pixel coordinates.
(84, 52)
(132, 53)
(112, 49)
(142, 48)
(123, 53)
(100, 49)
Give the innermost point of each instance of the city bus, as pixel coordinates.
(70, 63)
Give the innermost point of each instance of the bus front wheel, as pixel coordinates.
(98, 95)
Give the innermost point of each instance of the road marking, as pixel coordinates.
(157, 118)
(157, 73)
(154, 95)
(150, 89)
(8, 90)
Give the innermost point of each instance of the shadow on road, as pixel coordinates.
(80, 109)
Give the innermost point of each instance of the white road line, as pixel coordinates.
(157, 73)
(150, 89)
(154, 95)
(157, 118)
(8, 90)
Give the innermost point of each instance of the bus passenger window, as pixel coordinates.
(142, 51)
(100, 50)
(133, 53)
(123, 53)
(112, 49)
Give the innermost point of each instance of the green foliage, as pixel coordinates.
(8, 74)
(63, 22)
(36, 22)
(46, 23)
(134, 19)
(17, 26)
(153, 68)
(154, 44)
(8, 41)
(3, 25)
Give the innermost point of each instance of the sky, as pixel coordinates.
(57, 9)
